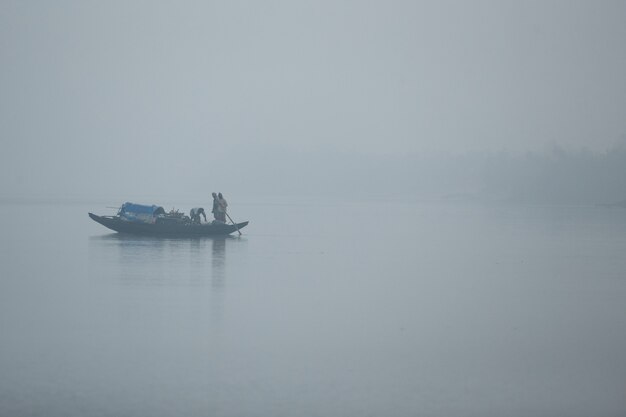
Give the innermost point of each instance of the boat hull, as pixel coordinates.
(167, 229)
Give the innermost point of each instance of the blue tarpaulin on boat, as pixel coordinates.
(139, 208)
(140, 213)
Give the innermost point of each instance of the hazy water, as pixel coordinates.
(347, 309)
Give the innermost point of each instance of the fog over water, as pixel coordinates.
(436, 194)
(119, 98)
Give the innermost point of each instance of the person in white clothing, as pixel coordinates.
(222, 204)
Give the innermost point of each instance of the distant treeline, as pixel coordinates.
(557, 176)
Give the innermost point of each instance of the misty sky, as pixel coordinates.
(91, 88)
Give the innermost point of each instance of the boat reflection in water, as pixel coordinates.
(145, 260)
(218, 261)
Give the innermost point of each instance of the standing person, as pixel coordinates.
(215, 209)
(222, 204)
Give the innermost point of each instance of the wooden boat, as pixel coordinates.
(164, 226)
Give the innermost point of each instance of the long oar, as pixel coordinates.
(231, 220)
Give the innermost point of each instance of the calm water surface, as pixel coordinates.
(347, 309)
